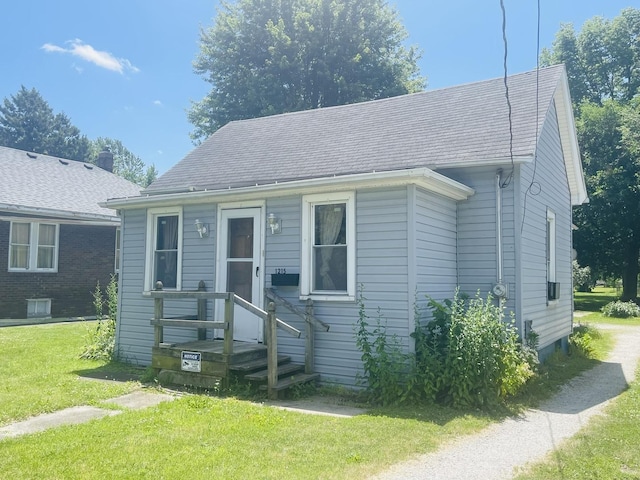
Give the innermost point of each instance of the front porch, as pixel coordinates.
(207, 362)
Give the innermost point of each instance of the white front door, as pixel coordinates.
(239, 268)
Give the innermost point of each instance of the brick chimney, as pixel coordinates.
(105, 160)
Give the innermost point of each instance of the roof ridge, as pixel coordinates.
(393, 98)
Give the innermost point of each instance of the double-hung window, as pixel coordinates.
(552, 287)
(33, 246)
(164, 247)
(328, 244)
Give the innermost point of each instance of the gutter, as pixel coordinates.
(60, 214)
(423, 177)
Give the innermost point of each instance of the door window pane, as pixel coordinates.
(240, 240)
(239, 279)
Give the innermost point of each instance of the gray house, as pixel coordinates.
(56, 242)
(403, 197)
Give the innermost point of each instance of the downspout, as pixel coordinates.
(499, 267)
(500, 289)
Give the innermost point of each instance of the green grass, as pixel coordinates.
(597, 317)
(199, 436)
(39, 368)
(596, 299)
(203, 437)
(606, 449)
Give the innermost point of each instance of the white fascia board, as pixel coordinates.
(570, 149)
(63, 216)
(423, 177)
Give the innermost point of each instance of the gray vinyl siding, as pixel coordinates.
(476, 233)
(381, 269)
(435, 247)
(134, 332)
(552, 320)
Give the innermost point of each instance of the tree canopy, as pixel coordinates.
(27, 122)
(264, 57)
(603, 66)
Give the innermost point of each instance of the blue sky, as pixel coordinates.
(123, 68)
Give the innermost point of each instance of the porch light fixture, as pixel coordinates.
(202, 228)
(274, 223)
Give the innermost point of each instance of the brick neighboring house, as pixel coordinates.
(56, 242)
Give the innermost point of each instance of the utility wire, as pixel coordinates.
(507, 180)
(538, 188)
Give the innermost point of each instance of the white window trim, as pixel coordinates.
(152, 214)
(551, 248)
(34, 231)
(306, 270)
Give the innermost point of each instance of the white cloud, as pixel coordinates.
(88, 53)
(160, 152)
(158, 103)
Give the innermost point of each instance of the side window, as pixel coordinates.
(328, 267)
(33, 246)
(116, 264)
(164, 247)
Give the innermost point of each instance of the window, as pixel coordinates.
(328, 242)
(33, 246)
(164, 247)
(39, 308)
(116, 266)
(551, 246)
(553, 288)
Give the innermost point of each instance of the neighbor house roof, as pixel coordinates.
(48, 186)
(457, 126)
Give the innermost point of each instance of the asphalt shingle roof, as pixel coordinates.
(47, 183)
(435, 129)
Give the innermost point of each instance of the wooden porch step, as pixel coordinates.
(297, 379)
(283, 370)
(257, 364)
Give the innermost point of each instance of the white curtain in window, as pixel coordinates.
(46, 245)
(330, 223)
(20, 245)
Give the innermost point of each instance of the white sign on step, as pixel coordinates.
(191, 361)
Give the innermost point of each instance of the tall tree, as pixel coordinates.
(125, 163)
(27, 122)
(603, 66)
(264, 57)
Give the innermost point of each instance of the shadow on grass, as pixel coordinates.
(593, 301)
(113, 371)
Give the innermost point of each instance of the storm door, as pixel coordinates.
(240, 247)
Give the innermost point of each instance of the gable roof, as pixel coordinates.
(456, 126)
(38, 184)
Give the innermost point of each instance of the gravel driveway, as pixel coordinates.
(498, 451)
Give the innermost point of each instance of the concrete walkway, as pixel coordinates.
(84, 413)
(500, 450)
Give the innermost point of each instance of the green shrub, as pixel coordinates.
(101, 339)
(581, 341)
(465, 356)
(384, 363)
(620, 309)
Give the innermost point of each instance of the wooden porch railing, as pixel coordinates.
(202, 324)
(310, 320)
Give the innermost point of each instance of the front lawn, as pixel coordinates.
(199, 436)
(39, 368)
